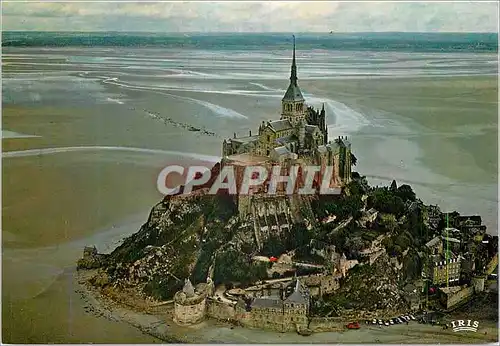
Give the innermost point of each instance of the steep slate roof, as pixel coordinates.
(268, 302)
(296, 296)
(188, 288)
(410, 288)
(433, 242)
(322, 149)
(286, 139)
(453, 240)
(282, 150)
(280, 125)
(293, 93)
(247, 139)
(311, 128)
(333, 146)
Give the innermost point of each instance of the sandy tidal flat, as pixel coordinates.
(434, 129)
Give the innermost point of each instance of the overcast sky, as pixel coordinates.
(252, 16)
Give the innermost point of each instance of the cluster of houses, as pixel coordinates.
(458, 259)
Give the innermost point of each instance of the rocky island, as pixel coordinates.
(298, 263)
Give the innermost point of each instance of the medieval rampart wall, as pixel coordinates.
(220, 310)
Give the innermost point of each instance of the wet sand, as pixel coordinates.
(54, 204)
(61, 314)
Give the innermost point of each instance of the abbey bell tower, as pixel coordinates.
(292, 104)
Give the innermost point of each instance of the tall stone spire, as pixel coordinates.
(292, 103)
(293, 75)
(293, 93)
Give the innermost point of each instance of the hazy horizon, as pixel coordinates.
(307, 16)
(261, 32)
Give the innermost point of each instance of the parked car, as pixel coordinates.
(353, 325)
(399, 320)
(386, 323)
(395, 319)
(374, 321)
(380, 322)
(391, 321)
(412, 317)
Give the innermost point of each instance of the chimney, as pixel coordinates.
(235, 135)
(250, 133)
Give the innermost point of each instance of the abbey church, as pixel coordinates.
(299, 137)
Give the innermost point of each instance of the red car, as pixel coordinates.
(353, 325)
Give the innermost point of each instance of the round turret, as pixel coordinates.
(190, 303)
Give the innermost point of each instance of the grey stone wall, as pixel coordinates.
(220, 310)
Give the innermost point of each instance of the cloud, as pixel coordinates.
(252, 16)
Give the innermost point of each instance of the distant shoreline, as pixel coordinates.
(362, 41)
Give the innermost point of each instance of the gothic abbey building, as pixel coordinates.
(299, 137)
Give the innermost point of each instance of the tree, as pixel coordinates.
(355, 175)
(273, 246)
(394, 186)
(232, 265)
(356, 188)
(416, 225)
(298, 236)
(412, 266)
(350, 206)
(385, 202)
(389, 222)
(406, 193)
(354, 245)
